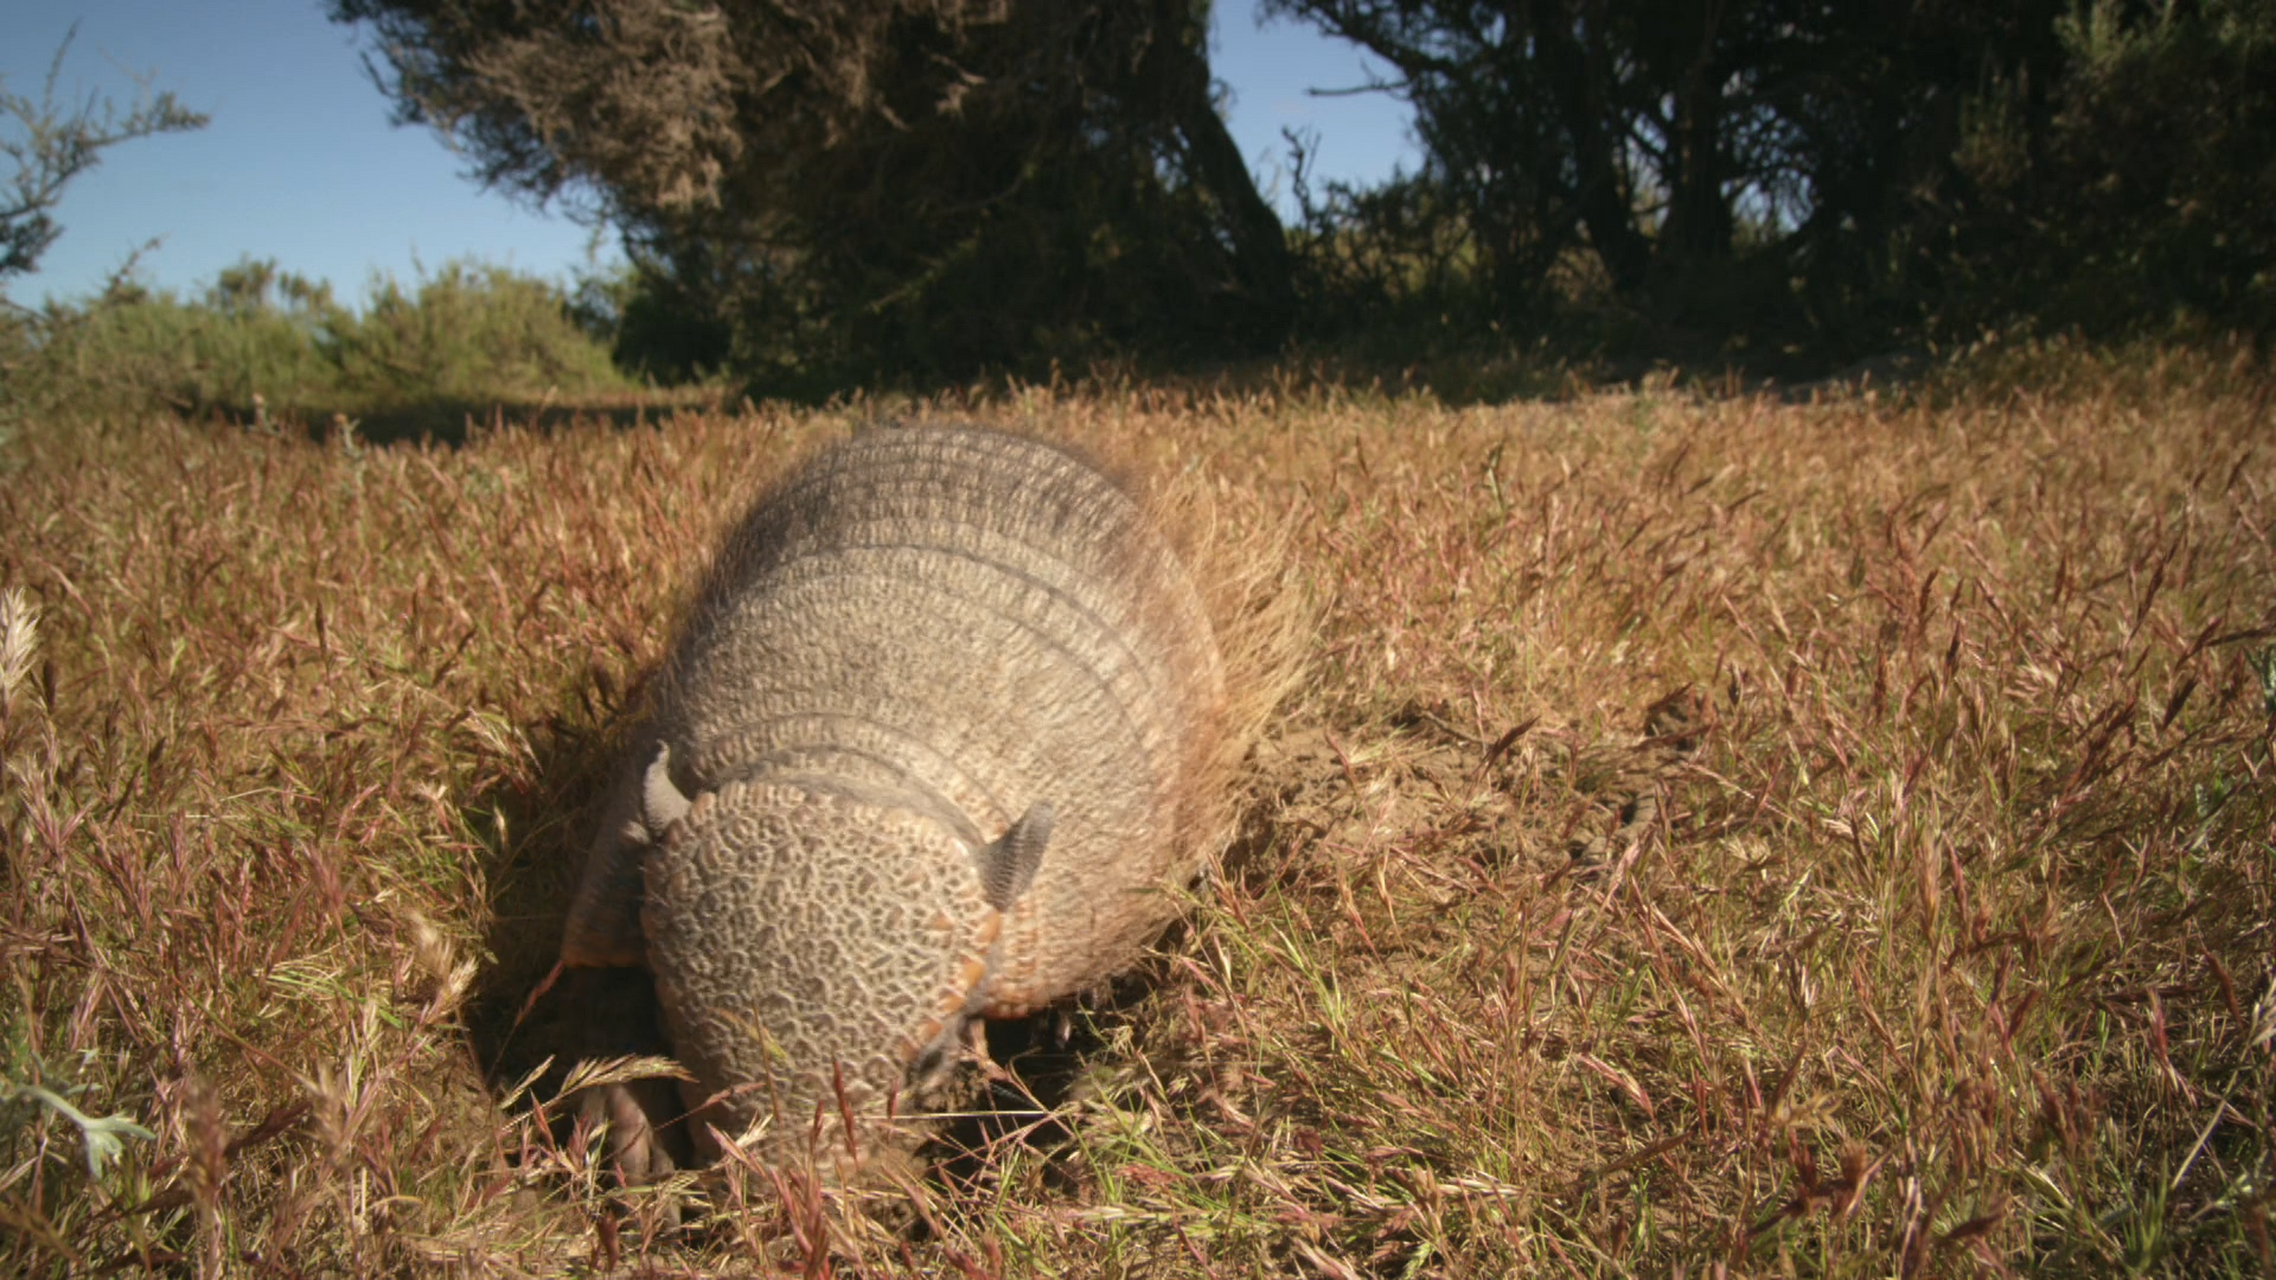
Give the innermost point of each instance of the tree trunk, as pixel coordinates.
(1260, 244)
(1599, 196)
(1699, 218)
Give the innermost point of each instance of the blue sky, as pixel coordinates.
(300, 163)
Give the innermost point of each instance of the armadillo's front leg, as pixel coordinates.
(617, 1017)
(612, 995)
(603, 928)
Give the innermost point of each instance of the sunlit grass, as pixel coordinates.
(1915, 754)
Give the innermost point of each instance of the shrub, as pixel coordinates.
(471, 333)
(260, 339)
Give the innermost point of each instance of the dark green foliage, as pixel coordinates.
(1723, 165)
(657, 326)
(902, 187)
(1765, 174)
(2147, 194)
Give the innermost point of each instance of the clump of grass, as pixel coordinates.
(19, 642)
(1915, 753)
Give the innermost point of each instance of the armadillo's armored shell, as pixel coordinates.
(921, 637)
(988, 620)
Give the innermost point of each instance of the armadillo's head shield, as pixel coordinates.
(818, 949)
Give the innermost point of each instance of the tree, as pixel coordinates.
(1841, 172)
(1679, 142)
(48, 147)
(915, 184)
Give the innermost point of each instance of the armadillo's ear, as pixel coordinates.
(661, 803)
(1007, 867)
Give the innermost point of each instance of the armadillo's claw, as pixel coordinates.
(637, 1117)
(633, 1112)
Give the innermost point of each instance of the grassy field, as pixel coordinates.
(1714, 836)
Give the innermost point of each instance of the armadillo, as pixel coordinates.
(935, 743)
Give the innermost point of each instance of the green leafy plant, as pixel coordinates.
(102, 1138)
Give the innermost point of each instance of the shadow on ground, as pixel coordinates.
(513, 1023)
(452, 422)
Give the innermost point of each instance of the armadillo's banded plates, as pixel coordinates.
(983, 618)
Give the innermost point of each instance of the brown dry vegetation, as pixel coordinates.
(1713, 836)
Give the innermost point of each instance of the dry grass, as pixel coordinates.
(1916, 757)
